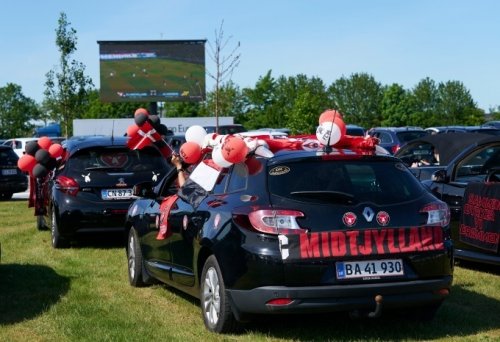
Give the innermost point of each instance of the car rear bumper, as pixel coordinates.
(477, 256)
(13, 185)
(317, 299)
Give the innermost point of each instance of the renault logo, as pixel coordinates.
(368, 214)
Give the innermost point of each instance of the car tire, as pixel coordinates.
(57, 240)
(136, 270)
(215, 306)
(40, 223)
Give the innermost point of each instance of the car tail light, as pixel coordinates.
(438, 213)
(67, 185)
(271, 221)
(280, 301)
(394, 149)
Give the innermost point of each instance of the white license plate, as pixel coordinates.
(110, 194)
(369, 268)
(9, 172)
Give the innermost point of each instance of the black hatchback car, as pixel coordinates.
(12, 179)
(300, 232)
(91, 189)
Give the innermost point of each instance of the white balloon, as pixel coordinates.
(218, 158)
(196, 134)
(328, 133)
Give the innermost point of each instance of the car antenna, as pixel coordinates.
(113, 132)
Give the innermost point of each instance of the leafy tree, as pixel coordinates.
(426, 99)
(358, 98)
(230, 101)
(183, 109)
(456, 106)
(16, 111)
(67, 88)
(258, 102)
(104, 110)
(397, 106)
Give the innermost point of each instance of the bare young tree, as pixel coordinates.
(224, 65)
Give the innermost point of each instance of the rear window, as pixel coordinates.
(408, 136)
(8, 156)
(345, 182)
(117, 159)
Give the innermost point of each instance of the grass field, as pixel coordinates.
(82, 294)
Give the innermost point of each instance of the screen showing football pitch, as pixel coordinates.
(152, 71)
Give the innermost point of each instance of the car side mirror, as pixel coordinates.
(144, 189)
(439, 176)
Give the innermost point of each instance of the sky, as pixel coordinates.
(395, 41)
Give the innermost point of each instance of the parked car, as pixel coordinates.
(19, 144)
(300, 232)
(494, 123)
(477, 165)
(446, 145)
(467, 129)
(12, 179)
(225, 129)
(392, 138)
(355, 130)
(92, 188)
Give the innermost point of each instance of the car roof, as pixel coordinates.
(451, 144)
(397, 129)
(81, 142)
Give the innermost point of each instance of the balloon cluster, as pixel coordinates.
(40, 157)
(146, 132)
(226, 149)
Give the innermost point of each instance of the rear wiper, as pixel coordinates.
(326, 195)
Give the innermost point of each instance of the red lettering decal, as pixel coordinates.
(414, 244)
(325, 244)
(309, 246)
(379, 237)
(426, 234)
(353, 243)
(390, 242)
(338, 245)
(366, 249)
(402, 240)
(438, 238)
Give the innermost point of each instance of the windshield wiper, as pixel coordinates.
(326, 195)
(103, 168)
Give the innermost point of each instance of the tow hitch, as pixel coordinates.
(374, 314)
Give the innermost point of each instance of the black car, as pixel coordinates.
(300, 232)
(443, 148)
(91, 189)
(470, 185)
(175, 141)
(393, 138)
(12, 179)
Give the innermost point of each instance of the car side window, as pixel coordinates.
(384, 137)
(238, 179)
(220, 185)
(478, 163)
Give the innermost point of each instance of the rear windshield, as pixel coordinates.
(117, 159)
(407, 136)
(347, 181)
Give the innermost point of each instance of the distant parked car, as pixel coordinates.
(225, 129)
(492, 124)
(392, 138)
(175, 141)
(12, 179)
(19, 144)
(355, 130)
(92, 189)
(467, 129)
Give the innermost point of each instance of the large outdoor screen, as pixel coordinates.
(152, 71)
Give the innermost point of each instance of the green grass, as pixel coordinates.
(82, 294)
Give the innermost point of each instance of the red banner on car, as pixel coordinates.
(480, 220)
(340, 244)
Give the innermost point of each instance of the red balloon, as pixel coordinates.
(55, 150)
(190, 152)
(44, 142)
(141, 111)
(132, 130)
(329, 115)
(234, 149)
(254, 166)
(26, 163)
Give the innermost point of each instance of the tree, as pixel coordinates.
(358, 98)
(16, 111)
(456, 106)
(426, 100)
(97, 109)
(224, 65)
(397, 106)
(67, 87)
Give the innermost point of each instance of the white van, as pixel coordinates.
(19, 144)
